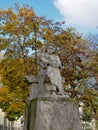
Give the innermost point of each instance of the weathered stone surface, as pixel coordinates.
(53, 113)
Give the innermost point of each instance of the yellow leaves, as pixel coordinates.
(4, 94)
(8, 27)
(12, 73)
(26, 17)
(20, 23)
(1, 56)
(16, 107)
(15, 111)
(11, 103)
(3, 90)
(90, 94)
(21, 61)
(27, 13)
(8, 15)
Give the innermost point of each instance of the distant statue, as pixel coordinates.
(49, 73)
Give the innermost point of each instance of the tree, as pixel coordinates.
(73, 54)
(93, 41)
(11, 103)
(14, 91)
(17, 31)
(90, 94)
(22, 31)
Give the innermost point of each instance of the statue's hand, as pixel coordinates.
(53, 64)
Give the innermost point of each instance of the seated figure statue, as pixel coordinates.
(49, 73)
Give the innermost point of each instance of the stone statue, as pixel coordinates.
(49, 73)
(49, 80)
(48, 107)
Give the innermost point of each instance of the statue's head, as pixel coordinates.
(50, 49)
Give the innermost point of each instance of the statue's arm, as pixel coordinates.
(56, 63)
(43, 62)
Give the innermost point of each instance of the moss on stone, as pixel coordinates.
(32, 114)
(53, 99)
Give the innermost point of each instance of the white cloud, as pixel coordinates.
(79, 13)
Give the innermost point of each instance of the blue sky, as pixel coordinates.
(41, 7)
(82, 14)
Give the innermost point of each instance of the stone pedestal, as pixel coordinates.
(53, 113)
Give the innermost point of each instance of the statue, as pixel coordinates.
(49, 73)
(47, 107)
(49, 81)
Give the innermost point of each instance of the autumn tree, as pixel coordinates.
(18, 33)
(21, 33)
(90, 94)
(22, 37)
(93, 41)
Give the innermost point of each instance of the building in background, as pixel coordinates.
(7, 125)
